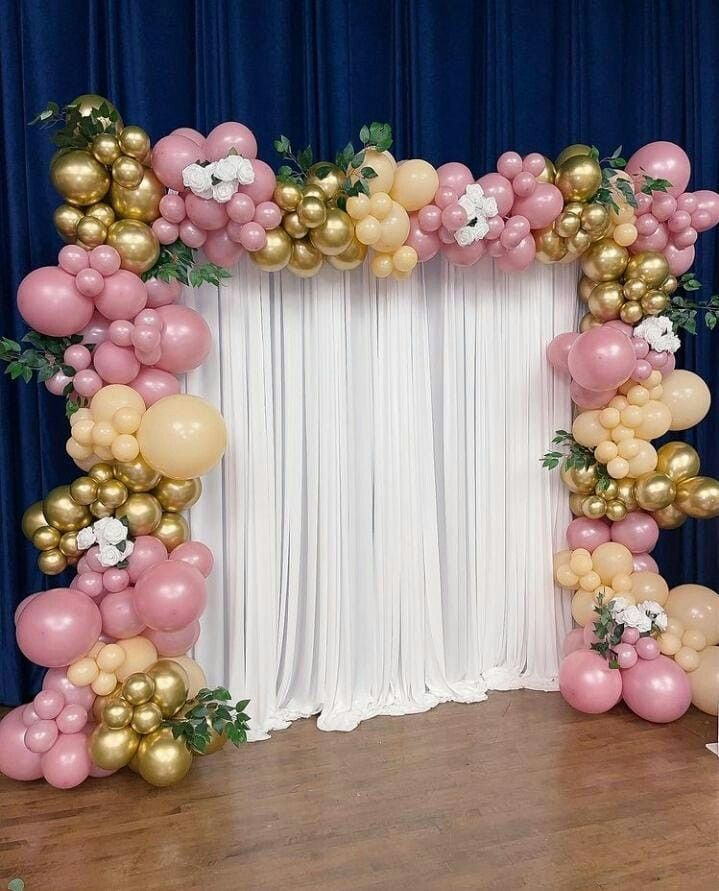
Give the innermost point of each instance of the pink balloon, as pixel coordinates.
(657, 690)
(680, 259)
(661, 160)
(196, 554)
(519, 257)
(496, 227)
(58, 382)
(524, 184)
(688, 202)
(680, 220)
(585, 533)
(77, 356)
(92, 557)
(123, 296)
(643, 562)
(148, 552)
(626, 655)
(90, 583)
(41, 736)
(120, 332)
(73, 258)
(172, 208)
(455, 176)
(618, 325)
(464, 256)
(663, 206)
(589, 399)
(153, 384)
(167, 233)
(105, 259)
(638, 531)
(573, 641)
(29, 715)
(170, 595)
(263, 187)
(72, 719)
(58, 627)
(444, 196)
(219, 248)
(114, 580)
(542, 207)
(174, 643)
(454, 216)
(16, 760)
(205, 213)
(429, 218)
(87, 383)
(89, 282)
(268, 215)
(115, 364)
(56, 679)
(647, 648)
(426, 243)
(186, 339)
(497, 186)
(589, 636)
(192, 235)
(642, 370)
(161, 293)
(48, 704)
(253, 237)
(601, 358)
(146, 340)
(191, 134)
(50, 303)
(707, 202)
(686, 238)
(119, 617)
(631, 635)
(23, 603)
(509, 164)
(171, 155)
(240, 208)
(641, 347)
(67, 764)
(647, 224)
(534, 163)
(588, 683)
(230, 135)
(657, 241)
(558, 350)
(657, 360)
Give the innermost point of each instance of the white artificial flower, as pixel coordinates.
(661, 621)
(129, 548)
(479, 208)
(226, 168)
(198, 179)
(635, 617)
(245, 171)
(223, 191)
(656, 612)
(86, 538)
(658, 332)
(619, 604)
(113, 532)
(110, 555)
(465, 236)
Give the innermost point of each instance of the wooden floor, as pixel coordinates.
(517, 792)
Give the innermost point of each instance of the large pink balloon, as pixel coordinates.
(585, 533)
(148, 552)
(661, 160)
(264, 185)
(230, 135)
(170, 595)
(542, 207)
(119, 618)
(67, 764)
(590, 399)
(56, 679)
(171, 155)
(123, 296)
(115, 364)
(58, 627)
(154, 383)
(174, 643)
(427, 244)
(51, 304)
(186, 339)
(455, 176)
(464, 256)
(16, 760)
(500, 188)
(638, 531)
(680, 259)
(205, 213)
(196, 554)
(588, 683)
(657, 690)
(191, 134)
(601, 358)
(219, 248)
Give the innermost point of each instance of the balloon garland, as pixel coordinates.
(108, 335)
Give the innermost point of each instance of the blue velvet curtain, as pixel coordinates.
(458, 80)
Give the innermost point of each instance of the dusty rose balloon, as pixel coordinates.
(534, 163)
(707, 203)
(50, 303)
(630, 635)
(48, 704)
(115, 580)
(509, 164)
(268, 215)
(105, 259)
(590, 399)
(58, 382)
(73, 258)
(601, 358)
(686, 238)
(646, 224)
(588, 683)
(196, 554)
(167, 233)
(170, 595)
(573, 641)
(148, 551)
(429, 217)
(464, 256)
(171, 155)
(72, 719)
(174, 643)
(41, 736)
(16, 760)
(219, 248)
(119, 617)
(657, 690)
(186, 339)
(454, 216)
(253, 237)
(263, 187)
(230, 135)
(154, 383)
(205, 213)
(426, 243)
(657, 241)
(661, 160)
(589, 534)
(67, 764)
(192, 235)
(680, 259)
(524, 184)
(240, 208)
(120, 332)
(77, 356)
(500, 188)
(647, 648)
(115, 364)
(89, 282)
(519, 257)
(642, 562)
(161, 293)
(626, 655)
(172, 208)
(123, 296)
(56, 679)
(542, 207)
(23, 603)
(663, 206)
(87, 383)
(58, 626)
(638, 531)
(444, 196)
(191, 134)
(455, 176)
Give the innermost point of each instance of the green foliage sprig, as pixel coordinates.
(77, 130)
(211, 710)
(296, 167)
(574, 456)
(608, 632)
(611, 183)
(178, 262)
(683, 311)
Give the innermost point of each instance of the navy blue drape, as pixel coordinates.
(459, 80)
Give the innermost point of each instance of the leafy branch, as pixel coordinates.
(612, 184)
(178, 262)
(296, 167)
(574, 457)
(78, 130)
(683, 311)
(376, 136)
(608, 632)
(211, 711)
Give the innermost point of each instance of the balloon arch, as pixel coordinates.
(108, 334)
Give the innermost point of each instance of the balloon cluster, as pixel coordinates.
(98, 669)
(383, 224)
(642, 288)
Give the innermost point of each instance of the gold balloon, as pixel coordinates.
(83, 490)
(550, 246)
(604, 260)
(350, 258)
(117, 714)
(585, 288)
(634, 288)
(698, 497)
(654, 302)
(91, 232)
(143, 513)
(146, 718)
(171, 686)
(678, 460)
(52, 562)
(312, 190)
(331, 182)
(306, 259)
(649, 266)
(582, 481)
(163, 760)
(112, 493)
(100, 472)
(575, 504)
(177, 495)
(78, 177)
(137, 475)
(101, 702)
(136, 244)
(138, 688)
(292, 226)
(312, 211)
(606, 300)
(215, 742)
(669, 517)
(45, 538)
(102, 212)
(631, 312)
(100, 510)
(654, 491)
(112, 749)
(134, 142)
(607, 489)
(549, 172)
(594, 217)
(625, 492)
(105, 148)
(335, 234)
(578, 177)
(63, 512)
(579, 243)
(594, 507)
(670, 284)
(172, 530)
(578, 148)
(65, 218)
(127, 172)
(567, 224)
(276, 253)
(287, 196)
(588, 321)
(616, 510)
(68, 545)
(89, 101)
(141, 202)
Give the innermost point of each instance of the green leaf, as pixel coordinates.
(304, 159)
(358, 160)
(364, 135)
(368, 173)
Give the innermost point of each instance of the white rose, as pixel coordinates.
(226, 168)
(464, 236)
(223, 191)
(619, 604)
(85, 538)
(129, 548)
(635, 618)
(651, 606)
(661, 621)
(109, 555)
(245, 171)
(198, 179)
(114, 531)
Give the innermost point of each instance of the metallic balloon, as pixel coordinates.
(138, 688)
(68, 545)
(631, 312)
(101, 472)
(588, 321)
(312, 190)
(650, 266)
(112, 749)
(334, 235)
(585, 288)
(669, 517)
(33, 519)
(350, 258)
(102, 212)
(287, 196)
(575, 504)
(45, 538)
(625, 492)
(101, 701)
(177, 495)
(91, 232)
(137, 475)
(89, 101)
(608, 489)
(146, 718)
(63, 512)
(654, 491)
(276, 253)
(141, 202)
(134, 142)
(215, 742)
(312, 211)
(670, 284)
(594, 217)
(292, 226)
(83, 490)
(606, 300)
(549, 172)
(634, 288)
(65, 218)
(52, 562)
(581, 481)
(306, 259)
(143, 513)
(136, 244)
(100, 510)
(551, 247)
(579, 242)
(112, 493)
(615, 510)
(578, 177)
(604, 260)
(678, 460)
(78, 177)
(171, 686)
(127, 172)
(172, 530)
(654, 302)
(577, 148)
(105, 148)
(567, 224)
(698, 497)
(332, 180)
(163, 760)
(594, 507)
(116, 714)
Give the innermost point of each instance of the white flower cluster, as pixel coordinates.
(479, 208)
(219, 179)
(110, 535)
(658, 332)
(645, 617)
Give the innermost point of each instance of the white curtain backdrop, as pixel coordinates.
(382, 527)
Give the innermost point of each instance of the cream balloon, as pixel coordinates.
(394, 229)
(644, 461)
(656, 420)
(140, 653)
(647, 585)
(610, 559)
(195, 674)
(687, 397)
(384, 165)
(587, 429)
(113, 397)
(696, 608)
(704, 681)
(415, 182)
(583, 607)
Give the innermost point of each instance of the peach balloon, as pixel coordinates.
(140, 653)
(687, 397)
(583, 607)
(610, 559)
(656, 420)
(648, 585)
(415, 183)
(384, 165)
(696, 608)
(704, 681)
(587, 429)
(394, 229)
(109, 399)
(644, 461)
(196, 676)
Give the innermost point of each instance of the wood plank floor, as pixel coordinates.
(517, 792)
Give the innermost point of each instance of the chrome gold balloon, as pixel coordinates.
(350, 258)
(100, 510)
(631, 312)
(669, 517)
(625, 492)
(606, 300)
(335, 234)
(112, 493)
(654, 491)
(604, 260)
(588, 321)
(678, 460)
(575, 504)
(45, 538)
(89, 101)
(549, 172)
(146, 718)
(292, 226)
(306, 259)
(215, 742)
(33, 519)
(116, 714)
(134, 142)
(163, 760)
(608, 489)
(84, 490)
(63, 512)
(112, 749)
(670, 285)
(615, 510)
(65, 219)
(137, 475)
(594, 507)
(143, 513)
(585, 288)
(102, 212)
(649, 266)
(312, 211)
(172, 530)
(68, 545)
(78, 177)
(654, 302)
(138, 688)
(594, 217)
(287, 196)
(578, 177)
(127, 172)
(550, 246)
(52, 562)
(141, 202)
(105, 148)
(101, 701)
(567, 224)
(698, 497)
(177, 495)
(101, 472)
(579, 481)
(332, 180)
(577, 148)
(276, 253)
(91, 232)
(634, 288)
(171, 686)
(312, 190)
(136, 244)
(579, 243)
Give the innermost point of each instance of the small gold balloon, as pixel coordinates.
(594, 216)
(331, 181)
(634, 288)
(105, 148)
(45, 538)
(608, 489)
(91, 232)
(287, 196)
(171, 686)
(306, 259)
(112, 749)
(142, 202)
(127, 172)
(102, 212)
(578, 177)
(549, 172)
(588, 321)
(134, 142)
(678, 460)
(579, 242)
(68, 545)
(112, 493)
(146, 718)
(579, 480)
(670, 285)
(143, 513)
(163, 760)
(136, 244)
(89, 102)
(550, 246)
(276, 253)
(575, 504)
(312, 190)
(604, 260)
(137, 475)
(594, 507)
(33, 519)
(172, 530)
(177, 495)
(650, 266)
(585, 288)
(312, 211)
(350, 258)
(63, 512)
(101, 472)
(631, 312)
(83, 490)
(65, 218)
(654, 491)
(52, 562)
(101, 702)
(335, 234)
(625, 489)
(698, 497)
(606, 300)
(654, 302)
(292, 226)
(138, 688)
(567, 224)
(615, 510)
(577, 148)
(117, 714)
(100, 510)
(670, 517)
(78, 177)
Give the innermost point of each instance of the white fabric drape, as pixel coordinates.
(382, 527)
